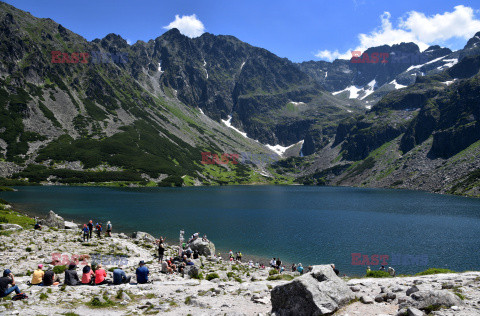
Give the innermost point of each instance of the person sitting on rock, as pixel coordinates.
(368, 269)
(335, 269)
(391, 271)
(88, 276)
(5, 281)
(86, 232)
(119, 276)
(181, 267)
(240, 256)
(204, 238)
(109, 229)
(71, 276)
(300, 268)
(142, 273)
(171, 265)
(37, 276)
(165, 268)
(273, 262)
(50, 278)
(294, 267)
(190, 262)
(100, 276)
(382, 268)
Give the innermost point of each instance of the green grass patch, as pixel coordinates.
(434, 271)
(212, 276)
(378, 274)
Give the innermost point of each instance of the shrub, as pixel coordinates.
(3, 219)
(273, 272)
(434, 271)
(28, 249)
(274, 277)
(230, 274)
(378, 274)
(198, 277)
(59, 269)
(43, 296)
(212, 276)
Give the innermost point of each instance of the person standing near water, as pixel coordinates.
(90, 228)
(109, 229)
(85, 231)
(161, 249)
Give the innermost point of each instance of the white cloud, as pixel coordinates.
(459, 23)
(328, 55)
(129, 42)
(416, 27)
(188, 25)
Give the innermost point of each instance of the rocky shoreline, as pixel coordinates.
(217, 287)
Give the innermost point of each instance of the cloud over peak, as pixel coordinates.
(188, 25)
(416, 27)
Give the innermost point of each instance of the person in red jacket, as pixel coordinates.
(100, 275)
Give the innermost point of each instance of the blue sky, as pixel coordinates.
(299, 30)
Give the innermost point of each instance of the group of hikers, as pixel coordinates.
(390, 270)
(91, 275)
(87, 230)
(237, 257)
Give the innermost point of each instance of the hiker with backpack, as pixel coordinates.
(86, 232)
(109, 229)
(5, 281)
(99, 230)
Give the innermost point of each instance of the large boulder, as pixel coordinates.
(53, 220)
(144, 236)
(10, 227)
(319, 292)
(191, 271)
(70, 225)
(424, 299)
(204, 248)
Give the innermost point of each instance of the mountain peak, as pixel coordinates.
(473, 42)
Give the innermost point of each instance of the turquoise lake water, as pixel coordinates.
(311, 225)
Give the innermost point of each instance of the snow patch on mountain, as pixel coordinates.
(397, 85)
(370, 89)
(280, 150)
(228, 122)
(353, 90)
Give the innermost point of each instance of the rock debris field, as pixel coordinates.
(216, 287)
